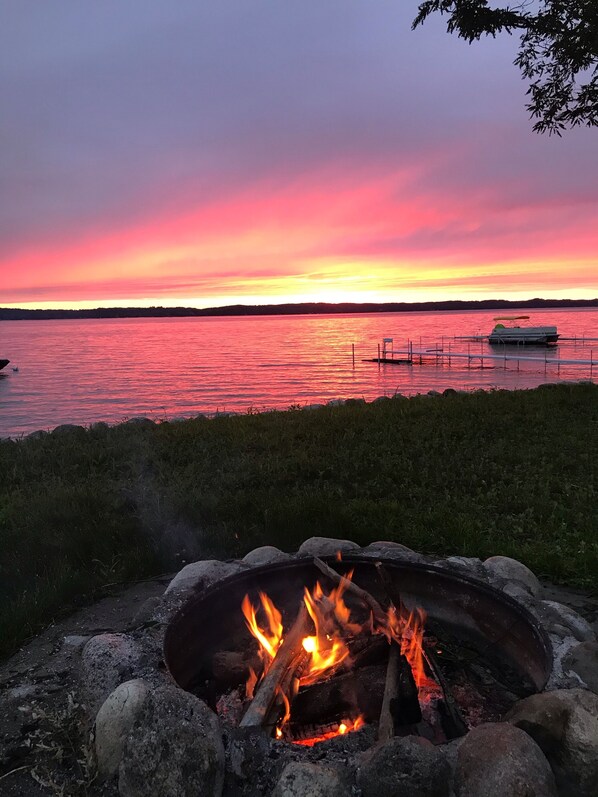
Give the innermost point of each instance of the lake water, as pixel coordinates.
(81, 371)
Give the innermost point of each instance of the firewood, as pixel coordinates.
(386, 725)
(357, 692)
(453, 723)
(400, 708)
(279, 680)
(353, 589)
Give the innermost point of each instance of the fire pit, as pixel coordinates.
(447, 652)
(341, 673)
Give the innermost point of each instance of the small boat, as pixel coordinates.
(3, 364)
(514, 334)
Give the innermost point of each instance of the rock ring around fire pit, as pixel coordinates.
(451, 676)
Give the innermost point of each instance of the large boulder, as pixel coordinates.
(405, 767)
(499, 760)
(174, 749)
(564, 723)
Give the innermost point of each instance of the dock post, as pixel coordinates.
(378, 356)
(545, 357)
(353, 353)
(591, 362)
(469, 355)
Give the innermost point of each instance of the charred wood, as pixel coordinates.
(350, 693)
(353, 589)
(281, 679)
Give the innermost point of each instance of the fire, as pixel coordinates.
(270, 637)
(407, 629)
(327, 647)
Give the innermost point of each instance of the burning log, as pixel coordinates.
(353, 589)
(386, 725)
(358, 691)
(400, 706)
(281, 679)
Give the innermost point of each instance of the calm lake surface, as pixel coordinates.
(81, 371)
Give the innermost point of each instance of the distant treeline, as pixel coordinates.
(305, 308)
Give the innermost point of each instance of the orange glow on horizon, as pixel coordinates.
(330, 238)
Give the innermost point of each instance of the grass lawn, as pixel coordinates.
(510, 473)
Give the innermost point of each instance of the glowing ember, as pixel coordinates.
(344, 727)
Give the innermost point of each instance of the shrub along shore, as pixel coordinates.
(476, 474)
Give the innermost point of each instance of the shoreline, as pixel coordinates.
(295, 308)
(141, 420)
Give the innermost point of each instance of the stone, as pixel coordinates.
(37, 435)
(382, 545)
(139, 421)
(500, 760)
(302, 779)
(433, 393)
(68, 429)
(200, 575)
(516, 590)
(380, 399)
(22, 692)
(336, 402)
(449, 391)
(114, 722)
(563, 620)
(564, 724)
(265, 555)
(354, 402)
(388, 550)
(469, 566)
(325, 546)
(503, 567)
(75, 641)
(582, 661)
(408, 766)
(174, 749)
(107, 661)
(313, 406)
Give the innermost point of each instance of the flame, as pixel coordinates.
(327, 646)
(271, 637)
(251, 683)
(407, 629)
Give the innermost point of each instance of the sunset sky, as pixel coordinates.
(210, 152)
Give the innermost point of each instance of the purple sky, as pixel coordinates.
(157, 152)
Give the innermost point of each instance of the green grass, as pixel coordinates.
(510, 473)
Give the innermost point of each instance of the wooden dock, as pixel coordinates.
(388, 355)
